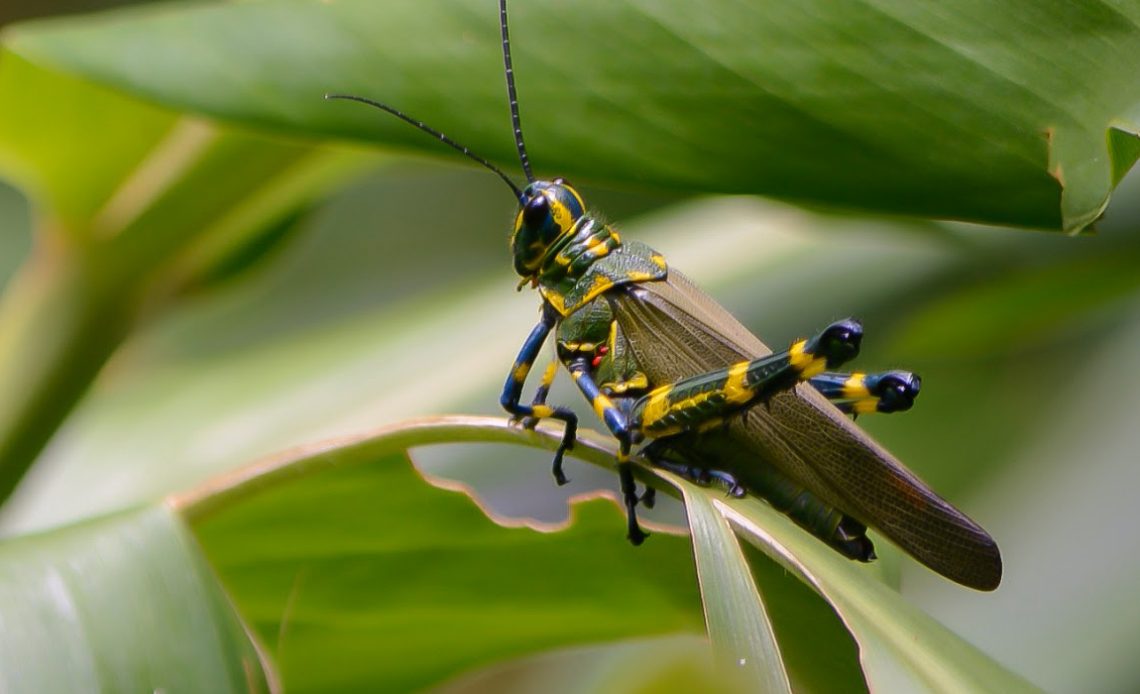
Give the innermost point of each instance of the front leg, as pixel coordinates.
(618, 424)
(542, 391)
(512, 390)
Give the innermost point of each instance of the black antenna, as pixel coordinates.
(440, 136)
(511, 94)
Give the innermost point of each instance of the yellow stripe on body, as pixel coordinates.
(638, 382)
(659, 407)
(656, 407)
(520, 372)
(736, 391)
(542, 411)
(554, 299)
(865, 406)
(601, 284)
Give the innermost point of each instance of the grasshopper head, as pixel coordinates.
(548, 211)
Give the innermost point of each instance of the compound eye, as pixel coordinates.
(535, 212)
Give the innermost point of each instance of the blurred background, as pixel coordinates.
(376, 303)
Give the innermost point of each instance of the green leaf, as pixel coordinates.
(658, 664)
(53, 123)
(901, 648)
(738, 624)
(357, 574)
(164, 204)
(339, 550)
(971, 110)
(121, 603)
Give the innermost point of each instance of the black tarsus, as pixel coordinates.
(433, 132)
(629, 496)
(512, 95)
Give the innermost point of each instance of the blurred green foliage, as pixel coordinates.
(195, 277)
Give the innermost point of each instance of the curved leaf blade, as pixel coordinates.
(122, 603)
(737, 620)
(902, 649)
(356, 574)
(980, 111)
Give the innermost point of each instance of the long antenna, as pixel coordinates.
(511, 94)
(440, 136)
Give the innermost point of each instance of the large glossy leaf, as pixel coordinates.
(338, 550)
(1014, 113)
(122, 603)
(358, 575)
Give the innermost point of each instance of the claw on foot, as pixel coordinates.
(559, 476)
(636, 535)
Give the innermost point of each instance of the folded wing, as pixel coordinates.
(675, 330)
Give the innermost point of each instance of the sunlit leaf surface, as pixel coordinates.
(972, 110)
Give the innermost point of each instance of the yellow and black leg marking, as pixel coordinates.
(512, 390)
(616, 421)
(541, 393)
(859, 393)
(701, 402)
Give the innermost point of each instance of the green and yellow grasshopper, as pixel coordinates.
(663, 364)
